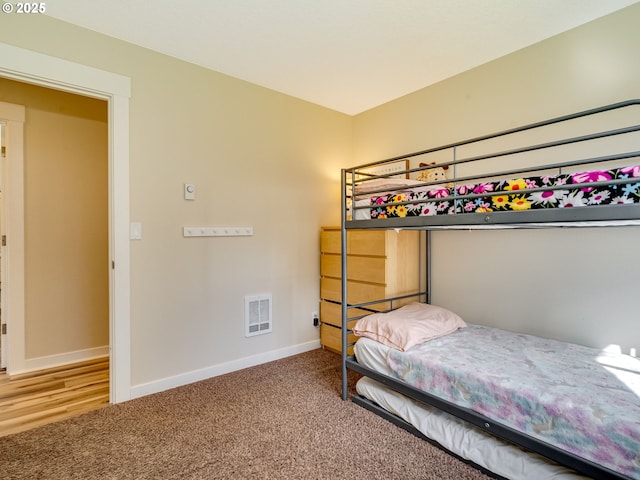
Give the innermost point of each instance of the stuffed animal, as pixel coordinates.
(435, 174)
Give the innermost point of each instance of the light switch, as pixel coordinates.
(135, 231)
(189, 191)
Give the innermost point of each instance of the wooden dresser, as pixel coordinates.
(380, 263)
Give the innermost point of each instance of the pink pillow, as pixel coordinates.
(409, 325)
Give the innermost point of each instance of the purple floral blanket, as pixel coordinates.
(514, 194)
(579, 399)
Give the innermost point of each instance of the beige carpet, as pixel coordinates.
(282, 420)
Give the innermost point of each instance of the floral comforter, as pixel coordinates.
(511, 195)
(579, 399)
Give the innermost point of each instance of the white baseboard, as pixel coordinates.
(156, 386)
(52, 361)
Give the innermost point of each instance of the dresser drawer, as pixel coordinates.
(331, 338)
(330, 240)
(367, 242)
(358, 292)
(359, 242)
(330, 265)
(364, 269)
(332, 313)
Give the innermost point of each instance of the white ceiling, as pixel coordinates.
(347, 55)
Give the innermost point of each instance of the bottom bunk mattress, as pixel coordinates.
(463, 439)
(578, 399)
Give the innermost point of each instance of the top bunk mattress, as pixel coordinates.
(616, 186)
(578, 399)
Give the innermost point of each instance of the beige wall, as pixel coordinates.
(258, 158)
(66, 220)
(579, 285)
(263, 159)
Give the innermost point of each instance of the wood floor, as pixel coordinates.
(37, 398)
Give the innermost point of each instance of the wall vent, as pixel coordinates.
(257, 315)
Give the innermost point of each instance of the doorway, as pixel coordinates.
(65, 193)
(44, 70)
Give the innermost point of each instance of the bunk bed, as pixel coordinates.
(576, 170)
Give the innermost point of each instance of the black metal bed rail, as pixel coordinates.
(505, 173)
(591, 216)
(384, 300)
(531, 126)
(504, 153)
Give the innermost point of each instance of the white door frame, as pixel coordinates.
(13, 226)
(36, 68)
(3, 268)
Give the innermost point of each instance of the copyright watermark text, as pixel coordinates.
(24, 7)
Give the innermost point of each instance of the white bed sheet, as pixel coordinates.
(459, 437)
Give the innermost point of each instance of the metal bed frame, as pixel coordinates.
(553, 217)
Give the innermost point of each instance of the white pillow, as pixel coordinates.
(390, 184)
